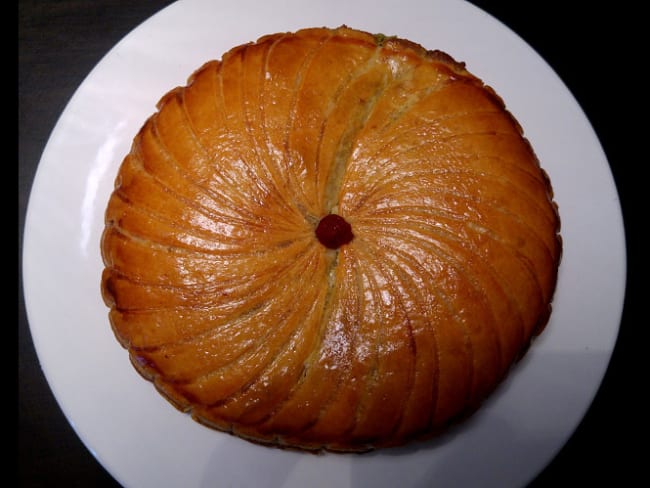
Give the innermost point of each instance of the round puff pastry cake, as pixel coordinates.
(329, 240)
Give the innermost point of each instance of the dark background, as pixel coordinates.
(595, 50)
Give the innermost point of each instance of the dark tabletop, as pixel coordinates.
(61, 41)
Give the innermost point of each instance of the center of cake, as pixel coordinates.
(333, 231)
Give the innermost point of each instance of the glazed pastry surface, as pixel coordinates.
(231, 303)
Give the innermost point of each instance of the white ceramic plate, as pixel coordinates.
(138, 437)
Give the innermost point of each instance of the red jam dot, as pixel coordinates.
(333, 231)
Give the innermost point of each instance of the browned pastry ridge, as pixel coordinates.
(231, 304)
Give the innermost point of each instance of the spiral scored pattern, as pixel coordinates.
(230, 305)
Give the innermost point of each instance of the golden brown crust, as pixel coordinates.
(226, 300)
